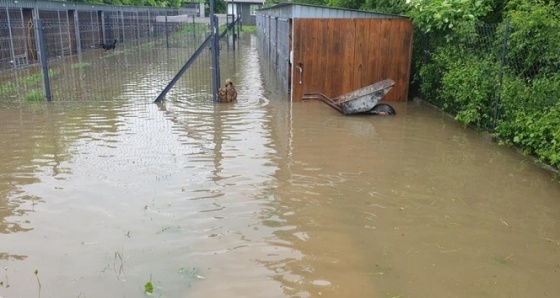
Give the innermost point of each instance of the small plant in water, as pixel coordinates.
(34, 95)
(149, 287)
(38, 281)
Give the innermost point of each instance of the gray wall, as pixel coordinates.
(245, 12)
(274, 43)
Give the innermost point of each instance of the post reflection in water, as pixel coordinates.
(265, 198)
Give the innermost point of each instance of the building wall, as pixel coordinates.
(275, 44)
(338, 55)
(245, 12)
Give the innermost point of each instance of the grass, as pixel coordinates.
(8, 87)
(37, 77)
(249, 29)
(80, 65)
(190, 28)
(34, 95)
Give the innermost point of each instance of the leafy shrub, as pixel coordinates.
(533, 41)
(530, 116)
(469, 89)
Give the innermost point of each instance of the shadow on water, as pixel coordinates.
(265, 198)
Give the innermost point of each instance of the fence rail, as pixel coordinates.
(152, 47)
(73, 28)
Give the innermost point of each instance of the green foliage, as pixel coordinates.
(352, 4)
(7, 87)
(461, 74)
(468, 89)
(385, 6)
(536, 132)
(311, 2)
(149, 288)
(533, 42)
(80, 65)
(219, 7)
(37, 77)
(443, 15)
(34, 95)
(530, 116)
(154, 3)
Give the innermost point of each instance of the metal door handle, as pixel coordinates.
(300, 68)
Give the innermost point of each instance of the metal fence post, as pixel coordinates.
(121, 12)
(238, 25)
(501, 75)
(77, 29)
(43, 58)
(425, 55)
(166, 31)
(194, 28)
(215, 50)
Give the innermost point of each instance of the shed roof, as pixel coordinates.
(307, 11)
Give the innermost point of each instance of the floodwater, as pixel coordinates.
(264, 198)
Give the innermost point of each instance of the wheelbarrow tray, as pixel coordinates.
(358, 101)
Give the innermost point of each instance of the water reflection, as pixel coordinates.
(265, 198)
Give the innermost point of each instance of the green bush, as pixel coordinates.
(469, 90)
(530, 116)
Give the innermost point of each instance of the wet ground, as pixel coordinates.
(263, 198)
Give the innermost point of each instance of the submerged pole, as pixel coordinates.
(215, 50)
(43, 57)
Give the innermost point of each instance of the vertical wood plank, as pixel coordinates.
(347, 57)
(335, 61)
(299, 52)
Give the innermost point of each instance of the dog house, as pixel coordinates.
(335, 51)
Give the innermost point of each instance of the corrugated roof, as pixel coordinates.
(298, 10)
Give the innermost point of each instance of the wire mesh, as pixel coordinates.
(14, 44)
(520, 67)
(148, 54)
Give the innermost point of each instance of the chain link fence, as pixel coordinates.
(481, 73)
(151, 47)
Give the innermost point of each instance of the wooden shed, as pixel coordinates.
(335, 51)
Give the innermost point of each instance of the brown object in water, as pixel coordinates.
(227, 93)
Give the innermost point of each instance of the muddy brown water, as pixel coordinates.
(264, 198)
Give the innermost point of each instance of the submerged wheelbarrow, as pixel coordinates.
(361, 101)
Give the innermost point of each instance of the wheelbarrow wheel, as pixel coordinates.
(383, 109)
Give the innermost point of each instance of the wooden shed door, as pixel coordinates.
(336, 56)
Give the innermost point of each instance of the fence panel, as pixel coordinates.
(148, 55)
(15, 39)
(89, 30)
